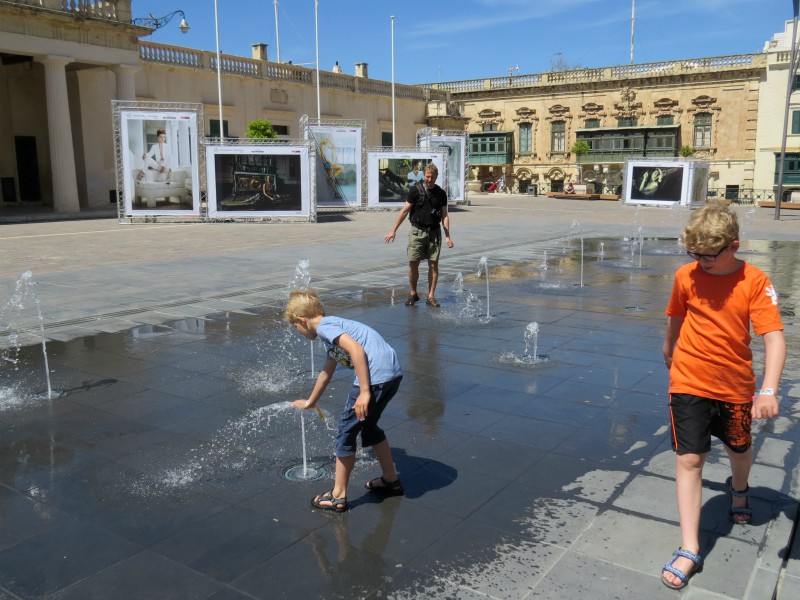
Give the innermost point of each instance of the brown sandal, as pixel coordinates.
(336, 504)
(412, 300)
(380, 486)
(432, 302)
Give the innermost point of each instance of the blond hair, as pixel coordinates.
(710, 228)
(303, 303)
(432, 168)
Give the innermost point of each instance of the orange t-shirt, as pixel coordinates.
(712, 357)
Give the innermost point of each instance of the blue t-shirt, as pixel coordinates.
(413, 178)
(381, 357)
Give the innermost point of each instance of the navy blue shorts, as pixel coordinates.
(695, 419)
(349, 425)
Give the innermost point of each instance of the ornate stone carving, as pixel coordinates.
(627, 105)
(489, 116)
(704, 102)
(525, 115)
(705, 153)
(279, 96)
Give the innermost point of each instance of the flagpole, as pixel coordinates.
(633, 20)
(394, 143)
(316, 32)
(219, 75)
(277, 32)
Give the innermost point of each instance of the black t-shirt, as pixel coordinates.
(426, 207)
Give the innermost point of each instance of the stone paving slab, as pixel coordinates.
(158, 474)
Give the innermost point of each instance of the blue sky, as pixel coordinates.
(446, 40)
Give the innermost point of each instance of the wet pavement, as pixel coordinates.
(534, 466)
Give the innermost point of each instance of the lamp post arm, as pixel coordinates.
(159, 22)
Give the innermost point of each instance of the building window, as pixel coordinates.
(525, 133)
(591, 123)
(702, 131)
(386, 139)
(490, 127)
(627, 122)
(665, 120)
(213, 126)
(731, 192)
(281, 129)
(559, 134)
(796, 121)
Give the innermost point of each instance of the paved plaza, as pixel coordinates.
(530, 430)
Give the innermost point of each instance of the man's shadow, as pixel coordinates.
(419, 476)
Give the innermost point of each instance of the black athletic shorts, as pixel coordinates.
(695, 419)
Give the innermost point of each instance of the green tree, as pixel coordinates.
(579, 148)
(260, 129)
(686, 151)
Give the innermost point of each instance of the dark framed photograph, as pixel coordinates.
(259, 180)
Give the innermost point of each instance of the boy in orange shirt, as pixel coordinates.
(711, 381)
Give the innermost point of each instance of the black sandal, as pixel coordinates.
(380, 486)
(745, 512)
(336, 504)
(412, 300)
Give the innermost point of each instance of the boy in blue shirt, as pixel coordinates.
(377, 379)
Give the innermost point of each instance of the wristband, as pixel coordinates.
(766, 392)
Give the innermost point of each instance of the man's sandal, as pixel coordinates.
(432, 302)
(412, 300)
(380, 486)
(739, 515)
(334, 504)
(683, 577)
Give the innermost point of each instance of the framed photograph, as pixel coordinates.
(158, 166)
(392, 173)
(260, 181)
(656, 182)
(665, 182)
(338, 171)
(455, 144)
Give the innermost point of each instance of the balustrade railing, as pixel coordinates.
(249, 67)
(608, 73)
(99, 9)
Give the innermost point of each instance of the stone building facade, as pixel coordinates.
(524, 128)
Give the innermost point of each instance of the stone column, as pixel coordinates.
(126, 84)
(62, 151)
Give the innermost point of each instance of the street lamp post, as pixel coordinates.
(159, 22)
(789, 86)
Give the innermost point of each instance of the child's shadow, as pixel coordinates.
(419, 476)
(767, 504)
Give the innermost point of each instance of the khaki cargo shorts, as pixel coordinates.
(424, 245)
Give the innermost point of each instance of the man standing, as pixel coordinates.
(426, 207)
